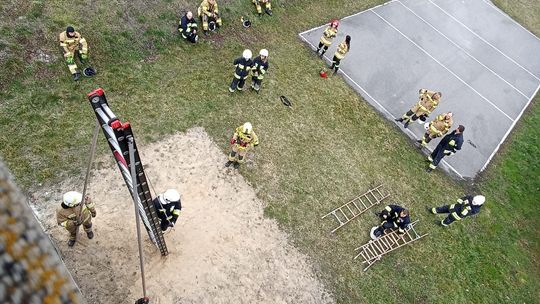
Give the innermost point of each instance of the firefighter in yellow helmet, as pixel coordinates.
(260, 3)
(342, 49)
(73, 45)
(67, 215)
(209, 13)
(328, 35)
(243, 139)
(437, 128)
(429, 100)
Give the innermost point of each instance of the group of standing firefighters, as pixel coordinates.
(75, 210)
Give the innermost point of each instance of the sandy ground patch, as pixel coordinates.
(222, 249)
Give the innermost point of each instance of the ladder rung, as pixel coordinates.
(379, 247)
(354, 204)
(350, 210)
(363, 203)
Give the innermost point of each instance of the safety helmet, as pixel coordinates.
(334, 23)
(426, 126)
(479, 200)
(247, 128)
(264, 52)
(89, 72)
(245, 22)
(171, 195)
(212, 26)
(72, 198)
(247, 54)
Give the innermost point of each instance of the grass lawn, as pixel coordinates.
(329, 148)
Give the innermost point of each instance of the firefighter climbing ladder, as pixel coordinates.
(374, 250)
(360, 204)
(118, 136)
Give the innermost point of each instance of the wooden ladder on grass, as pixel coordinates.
(360, 204)
(374, 250)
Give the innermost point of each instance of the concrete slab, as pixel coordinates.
(405, 45)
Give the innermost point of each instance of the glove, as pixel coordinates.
(78, 222)
(256, 144)
(171, 224)
(233, 141)
(401, 231)
(448, 152)
(84, 56)
(94, 213)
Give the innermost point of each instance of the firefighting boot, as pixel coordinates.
(228, 164)
(236, 165)
(90, 235)
(76, 76)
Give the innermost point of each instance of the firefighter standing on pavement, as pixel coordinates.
(328, 35)
(209, 13)
(243, 66)
(168, 206)
(429, 100)
(260, 66)
(73, 45)
(437, 128)
(260, 3)
(67, 215)
(446, 147)
(188, 27)
(393, 217)
(465, 206)
(243, 139)
(342, 49)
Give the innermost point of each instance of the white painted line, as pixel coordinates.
(484, 40)
(509, 130)
(359, 13)
(381, 106)
(442, 65)
(504, 14)
(459, 47)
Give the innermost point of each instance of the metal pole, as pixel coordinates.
(88, 169)
(135, 202)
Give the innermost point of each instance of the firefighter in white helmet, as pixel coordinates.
(260, 67)
(243, 66)
(244, 138)
(465, 206)
(168, 206)
(67, 215)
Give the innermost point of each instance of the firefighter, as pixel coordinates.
(209, 13)
(243, 66)
(393, 217)
(429, 100)
(465, 206)
(267, 6)
(260, 66)
(328, 35)
(168, 206)
(437, 128)
(188, 27)
(446, 147)
(342, 49)
(67, 215)
(73, 45)
(243, 139)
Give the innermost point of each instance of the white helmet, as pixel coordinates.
(247, 128)
(171, 195)
(72, 198)
(246, 54)
(478, 200)
(264, 52)
(426, 126)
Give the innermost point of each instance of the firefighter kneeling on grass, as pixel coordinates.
(243, 139)
(188, 27)
(168, 206)
(393, 217)
(67, 215)
(73, 45)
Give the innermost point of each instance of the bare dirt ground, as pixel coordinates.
(222, 249)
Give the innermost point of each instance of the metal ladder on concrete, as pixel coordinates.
(360, 204)
(374, 250)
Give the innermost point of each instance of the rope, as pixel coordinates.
(88, 169)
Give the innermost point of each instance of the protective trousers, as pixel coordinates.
(237, 83)
(70, 60)
(238, 153)
(436, 157)
(71, 227)
(452, 214)
(267, 5)
(256, 83)
(335, 64)
(384, 225)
